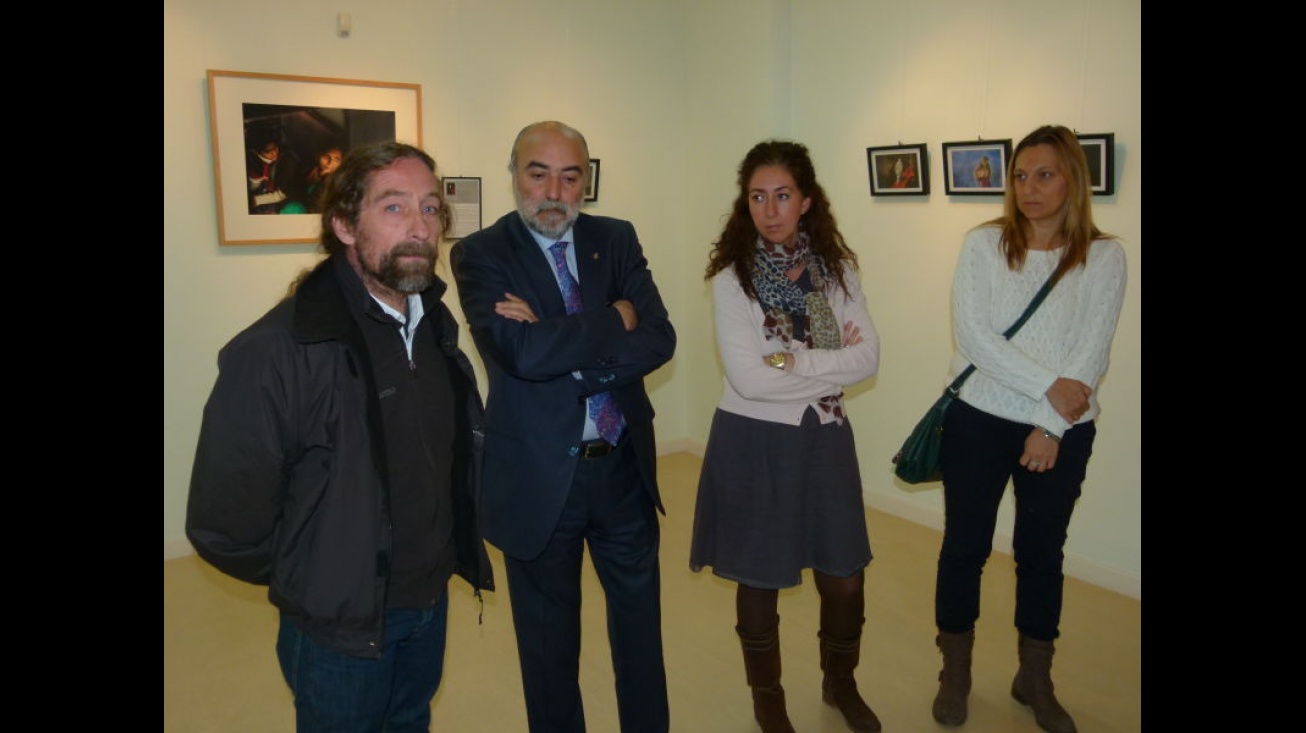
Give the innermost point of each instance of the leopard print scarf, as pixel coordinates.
(784, 302)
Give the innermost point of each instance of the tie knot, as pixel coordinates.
(557, 247)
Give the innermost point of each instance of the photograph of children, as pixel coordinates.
(292, 150)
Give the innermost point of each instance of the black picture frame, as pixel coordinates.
(899, 170)
(592, 181)
(964, 161)
(1100, 149)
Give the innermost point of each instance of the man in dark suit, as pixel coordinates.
(568, 321)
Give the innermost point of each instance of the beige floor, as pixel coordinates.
(220, 673)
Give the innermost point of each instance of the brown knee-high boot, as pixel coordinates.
(838, 660)
(762, 665)
(954, 679)
(1033, 686)
(842, 604)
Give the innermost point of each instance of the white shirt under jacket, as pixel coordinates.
(753, 389)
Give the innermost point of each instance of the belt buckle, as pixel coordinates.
(595, 448)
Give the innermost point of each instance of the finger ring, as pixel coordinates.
(1034, 464)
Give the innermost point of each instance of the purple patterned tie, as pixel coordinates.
(602, 408)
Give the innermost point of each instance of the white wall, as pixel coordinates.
(671, 93)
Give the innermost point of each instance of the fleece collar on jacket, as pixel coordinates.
(323, 300)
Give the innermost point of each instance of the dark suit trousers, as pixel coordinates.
(609, 509)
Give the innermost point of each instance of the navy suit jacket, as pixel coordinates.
(535, 410)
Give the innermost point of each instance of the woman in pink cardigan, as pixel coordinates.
(780, 490)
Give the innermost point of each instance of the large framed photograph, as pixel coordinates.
(592, 182)
(898, 170)
(277, 138)
(1100, 149)
(977, 168)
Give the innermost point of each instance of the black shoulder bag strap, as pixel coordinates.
(1042, 293)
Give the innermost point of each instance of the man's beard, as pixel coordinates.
(405, 277)
(530, 214)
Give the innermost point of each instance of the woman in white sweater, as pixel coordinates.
(780, 489)
(1026, 415)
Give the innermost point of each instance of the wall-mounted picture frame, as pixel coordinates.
(592, 182)
(1100, 149)
(462, 194)
(899, 170)
(976, 168)
(269, 133)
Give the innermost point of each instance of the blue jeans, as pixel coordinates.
(337, 693)
(981, 454)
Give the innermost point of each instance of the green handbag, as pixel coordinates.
(921, 456)
(920, 459)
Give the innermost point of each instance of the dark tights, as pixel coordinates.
(842, 605)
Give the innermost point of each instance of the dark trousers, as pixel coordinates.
(981, 453)
(609, 509)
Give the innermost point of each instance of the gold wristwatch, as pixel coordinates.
(776, 360)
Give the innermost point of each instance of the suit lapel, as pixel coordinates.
(591, 265)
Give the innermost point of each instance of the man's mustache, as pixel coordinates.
(412, 249)
(544, 206)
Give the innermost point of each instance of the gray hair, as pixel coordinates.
(567, 131)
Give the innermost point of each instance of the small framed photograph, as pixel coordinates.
(977, 168)
(462, 194)
(276, 138)
(592, 182)
(899, 170)
(1100, 149)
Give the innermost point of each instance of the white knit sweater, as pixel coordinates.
(1068, 336)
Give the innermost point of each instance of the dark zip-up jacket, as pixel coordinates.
(289, 487)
